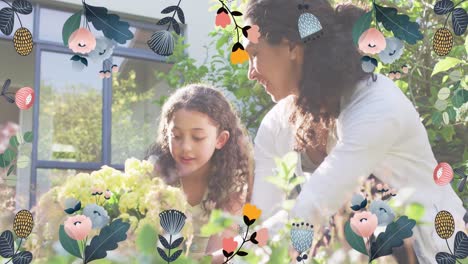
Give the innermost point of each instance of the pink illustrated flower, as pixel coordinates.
(372, 41)
(364, 223)
(253, 34)
(107, 195)
(222, 18)
(229, 244)
(262, 237)
(78, 227)
(82, 41)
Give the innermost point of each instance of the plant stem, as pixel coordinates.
(173, 15)
(19, 19)
(19, 245)
(244, 240)
(233, 19)
(170, 236)
(446, 241)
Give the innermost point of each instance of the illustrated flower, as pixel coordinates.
(393, 50)
(372, 41)
(382, 210)
(229, 244)
(391, 75)
(239, 55)
(24, 98)
(78, 227)
(107, 195)
(222, 18)
(302, 236)
(444, 224)
(72, 205)
(442, 41)
(368, 64)
(23, 41)
(97, 191)
(162, 43)
(405, 68)
(364, 223)
(23, 223)
(103, 50)
(262, 237)
(358, 202)
(253, 34)
(97, 214)
(82, 41)
(379, 186)
(172, 221)
(251, 211)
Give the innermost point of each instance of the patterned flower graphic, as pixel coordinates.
(172, 221)
(82, 41)
(372, 41)
(162, 43)
(364, 223)
(302, 235)
(78, 227)
(382, 210)
(97, 214)
(393, 50)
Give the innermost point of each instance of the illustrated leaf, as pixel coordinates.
(165, 20)
(181, 15)
(175, 255)
(3, 162)
(176, 243)
(446, 64)
(461, 245)
(69, 244)
(169, 9)
(242, 253)
(14, 142)
(459, 21)
(7, 20)
(7, 246)
(400, 25)
(12, 168)
(84, 61)
(443, 7)
(356, 207)
(110, 24)
(244, 31)
(247, 221)
(28, 137)
(361, 25)
(164, 241)
(163, 254)
(236, 13)
(392, 237)
(226, 254)
(354, 240)
(106, 240)
(23, 7)
(445, 258)
(70, 26)
(9, 155)
(176, 27)
(24, 257)
(75, 58)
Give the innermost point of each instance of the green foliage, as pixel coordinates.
(355, 241)
(70, 245)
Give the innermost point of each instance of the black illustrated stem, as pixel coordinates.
(446, 241)
(233, 19)
(21, 241)
(170, 236)
(21, 24)
(450, 14)
(173, 15)
(244, 240)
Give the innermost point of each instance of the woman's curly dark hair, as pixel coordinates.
(232, 165)
(332, 64)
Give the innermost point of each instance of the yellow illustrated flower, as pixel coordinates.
(239, 55)
(251, 211)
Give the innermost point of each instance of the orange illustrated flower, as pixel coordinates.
(372, 41)
(82, 41)
(229, 244)
(251, 211)
(239, 55)
(222, 18)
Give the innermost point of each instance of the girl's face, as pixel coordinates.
(193, 138)
(277, 67)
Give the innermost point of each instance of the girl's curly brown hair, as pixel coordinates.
(232, 166)
(332, 64)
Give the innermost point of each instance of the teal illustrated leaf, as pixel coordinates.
(69, 244)
(461, 245)
(361, 25)
(11, 169)
(181, 15)
(164, 242)
(392, 237)
(106, 240)
(7, 20)
(75, 58)
(169, 9)
(174, 256)
(400, 25)
(9, 155)
(445, 258)
(459, 21)
(7, 248)
(28, 137)
(24, 257)
(176, 243)
(84, 61)
(70, 26)
(354, 240)
(163, 254)
(23, 7)
(176, 27)
(14, 142)
(166, 20)
(110, 24)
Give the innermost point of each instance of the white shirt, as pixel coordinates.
(379, 132)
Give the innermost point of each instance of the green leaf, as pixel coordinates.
(3, 162)
(466, 44)
(9, 155)
(361, 25)
(106, 240)
(14, 142)
(415, 211)
(452, 114)
(460, 97)
(217, 223)
(445, 64)
(69, 244)
(447, 133)
(28, 136)
(400, 25)
(392, 237)
(146, 239)
(11, 169)
(70, 26)
(354, 240)
(437, 118)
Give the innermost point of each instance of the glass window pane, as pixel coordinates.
(70, 115)
(49, 178)
(26, 20)
(134, 111)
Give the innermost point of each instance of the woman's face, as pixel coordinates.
(277, 67)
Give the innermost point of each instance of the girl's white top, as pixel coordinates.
(378, 132)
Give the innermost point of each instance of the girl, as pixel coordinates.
(203, 149)
(345, 124)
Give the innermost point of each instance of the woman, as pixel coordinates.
(345, 124)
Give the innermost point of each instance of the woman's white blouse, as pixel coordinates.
(379, 132)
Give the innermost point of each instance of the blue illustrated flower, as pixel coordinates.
(368, 64)
(392, 51)
(97, 214)
(172, 221)
(384, 213)
(72, 205)
(302, 235)
(358, 202)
